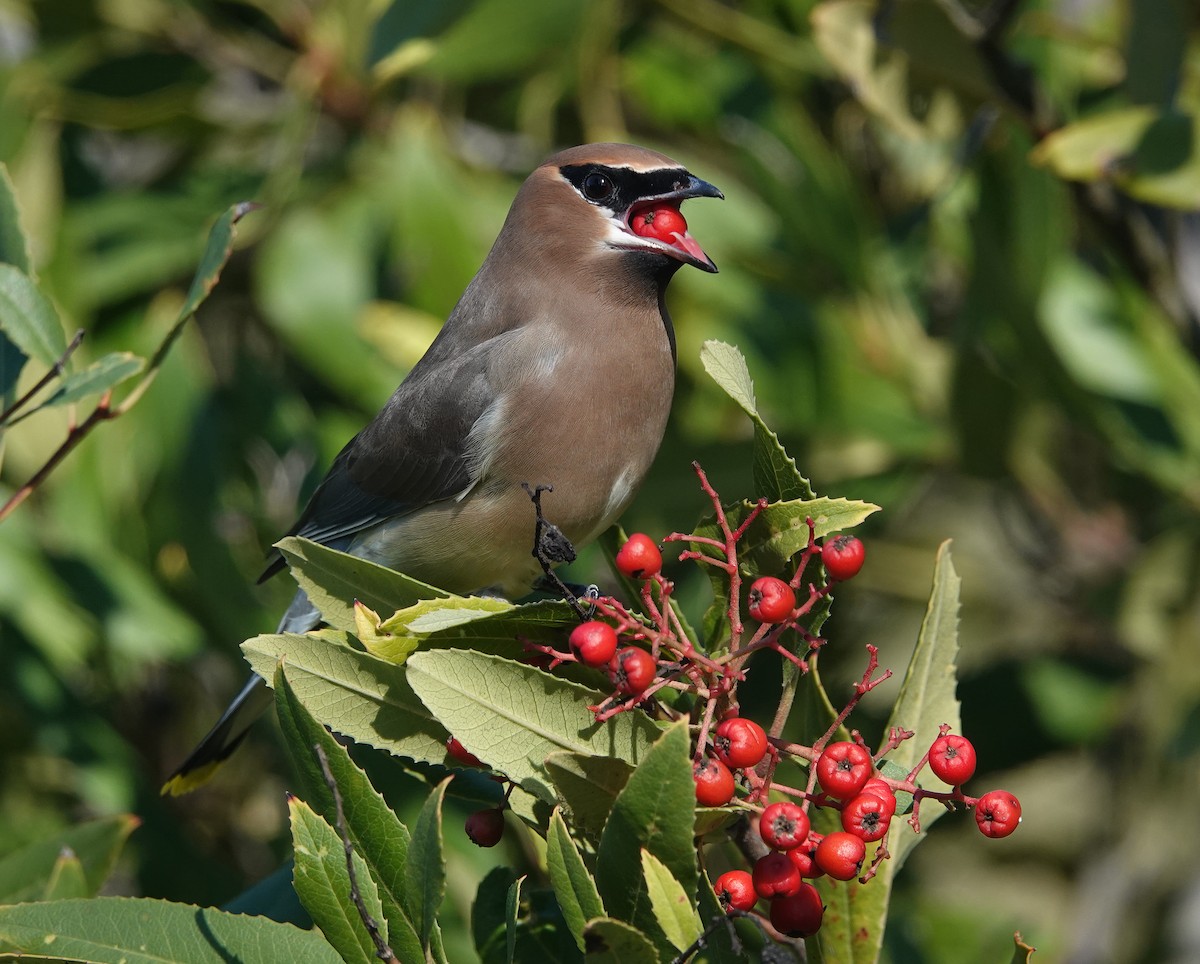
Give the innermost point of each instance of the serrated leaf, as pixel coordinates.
(128, 930)
(425, 870)
(648, 814)
(322, 882)
(14, 245)
(574, 886)
(610, 941)
(587, 787)
(334, 580)
(672, 907)
(379, 837)
(352, 693)
(775, 474)
(514, 716)
(101, 375)
(25, 873)
(400, 634)
(27, 317)
(512, 908)
(67, 879)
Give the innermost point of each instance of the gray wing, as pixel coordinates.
(414, 452)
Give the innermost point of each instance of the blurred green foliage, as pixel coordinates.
(960, 249)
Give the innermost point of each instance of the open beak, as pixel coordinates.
(683, 247)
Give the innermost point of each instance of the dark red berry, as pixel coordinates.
(997, 813)
(735, 890)
(884, 792)
(661, 221)
(952, 759)
(714, 783)
(771, 600)
(486, 827)
(866, 816)
(798, 915)
(841, 854)
(844, 768)
(783, 826)
(775, 876)
(462, 754)
(740, 742)
(594, 642)
(804, 857)
(632, 670)
(842, 557)
(639, 558)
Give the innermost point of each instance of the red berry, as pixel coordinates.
(462, 754)
(804, 857)
(884, 792)
(594, 642)
(714, 783)
(841, 854)
(997, 813)
(740, 742)
(952, 759)
(844, 768)
(783, 826)
(639, 558)
(632, 670)
(866, 816)
(775, 876)
(800, 914)
(771, 600)
(486, 827)
(735, 890)
(660, 221)
(842, 557)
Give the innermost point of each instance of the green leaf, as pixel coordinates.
(67, 880)
(512, 908)
(574, 886)
(323, 884)
(379, 838)
(99, 376)
(671, 905)
(489, 913)
(425, 870)
(27, 317)
(275, 897)
(1022, 952)
(26, 873)
(587, 787)
(513, 715)
(352, 693)
(125, 930)
(609, 941)
(14, 246)
(334, 580)
(775, 474)
(653, 812)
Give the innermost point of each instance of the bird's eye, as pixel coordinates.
(597, 187)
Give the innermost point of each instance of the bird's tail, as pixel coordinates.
(221, 740)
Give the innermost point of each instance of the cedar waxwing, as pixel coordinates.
(556, 367)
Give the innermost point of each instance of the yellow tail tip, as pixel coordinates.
(188, 780)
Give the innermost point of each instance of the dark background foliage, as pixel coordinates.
(959, 250)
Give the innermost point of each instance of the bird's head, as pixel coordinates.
(597, 201)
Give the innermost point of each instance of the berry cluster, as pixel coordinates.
(735, 758)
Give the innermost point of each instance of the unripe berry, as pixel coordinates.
(639, 558)
(486, 827)
(783, 826)
(800, 914)
(866, 816)
(775, 876)
(771, 600)
(735, 890)
(632, 670)
(714, 782)
(842, 557)
(884, 792)
(997, 813)
(841, 854)
(844, 768)
(739, 742)
(952, 759)
(594, 642)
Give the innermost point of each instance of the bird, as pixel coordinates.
(556, 368)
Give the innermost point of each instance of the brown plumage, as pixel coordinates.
(556, 367)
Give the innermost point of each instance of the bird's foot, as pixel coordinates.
(550, 548)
